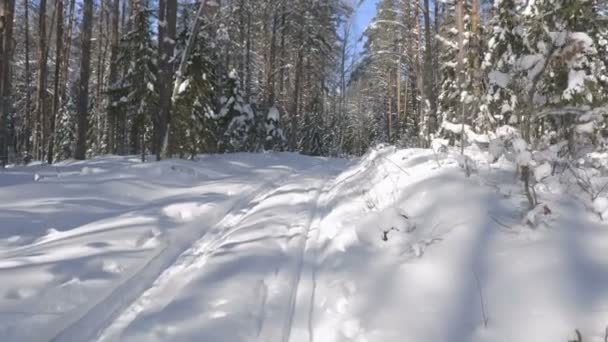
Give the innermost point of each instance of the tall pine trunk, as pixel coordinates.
(56, 99)
(460, 66)
(66, 53)
(7, 10)
(28, 96)
(429, 80)
(166, 45)
(83, 89)
(41, 103)
(113, 76)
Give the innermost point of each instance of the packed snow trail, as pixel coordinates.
(262, 246)
(167, 262)
(67, 277)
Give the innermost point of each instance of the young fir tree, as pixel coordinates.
(136, 92)
(379, 67)
(236, 118)
(449, 92)
(549, 56)
(274, 138)
(194, 128)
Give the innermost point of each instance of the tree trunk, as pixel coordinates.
(460, 65)
(166, 31)
(41, 110)
(389, 114)
(398, 76)
(66, 53)
(476, 53)
(282, 59)
(83, 89)
(102, 53)
(429, 81)
(293, 135)
(181, 70)
(418, 72)
(7, 10)
(270, 81)
(56, 103)
(28, 96)
(248, 57)
(113, 76)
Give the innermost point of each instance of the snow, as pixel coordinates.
(600, 206)
(576, 83)
(183, 86)
(397, 245)
(584, 39)
(586, 128)
(523, 158)
(519, 145)
(471, 135)
(273, 114)
(542, 171)
(233, 75)
(499, 78)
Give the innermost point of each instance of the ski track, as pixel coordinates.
(115, 311)
(174, 256)
(305, 286)
(297, 275)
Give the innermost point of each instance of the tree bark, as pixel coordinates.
(166, 33)
(41, 107)
(28, 96)
(83, 89)
(113, 76)
(429, 81)
(181, 70)
(460, 65)
(7, 10)
(389, 113)
(270, 78)
(66, 52)
(56, 103)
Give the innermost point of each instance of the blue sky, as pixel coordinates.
(362, 18)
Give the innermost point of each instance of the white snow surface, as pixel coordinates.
(542, 171)
(395, 246)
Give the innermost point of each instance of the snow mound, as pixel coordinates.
(187, 211)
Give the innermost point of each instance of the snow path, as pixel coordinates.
(107, 263)
(301, 192)
(173, 258)
(299, 290)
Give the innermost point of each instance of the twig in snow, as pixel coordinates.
(481, 300)
(385, 233)
(579, 337)
(436, 157)
(606, 335)
(397, 165)
(504, 225)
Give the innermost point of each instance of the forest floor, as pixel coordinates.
(398, 245)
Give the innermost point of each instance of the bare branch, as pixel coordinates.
(481, 300)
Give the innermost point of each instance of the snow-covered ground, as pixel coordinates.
(395, 246)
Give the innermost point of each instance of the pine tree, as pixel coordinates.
(236, 118)
(274, 139)
(550, 63)
(136, 92)
(194, 128)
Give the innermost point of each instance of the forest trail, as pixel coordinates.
(260, 243)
